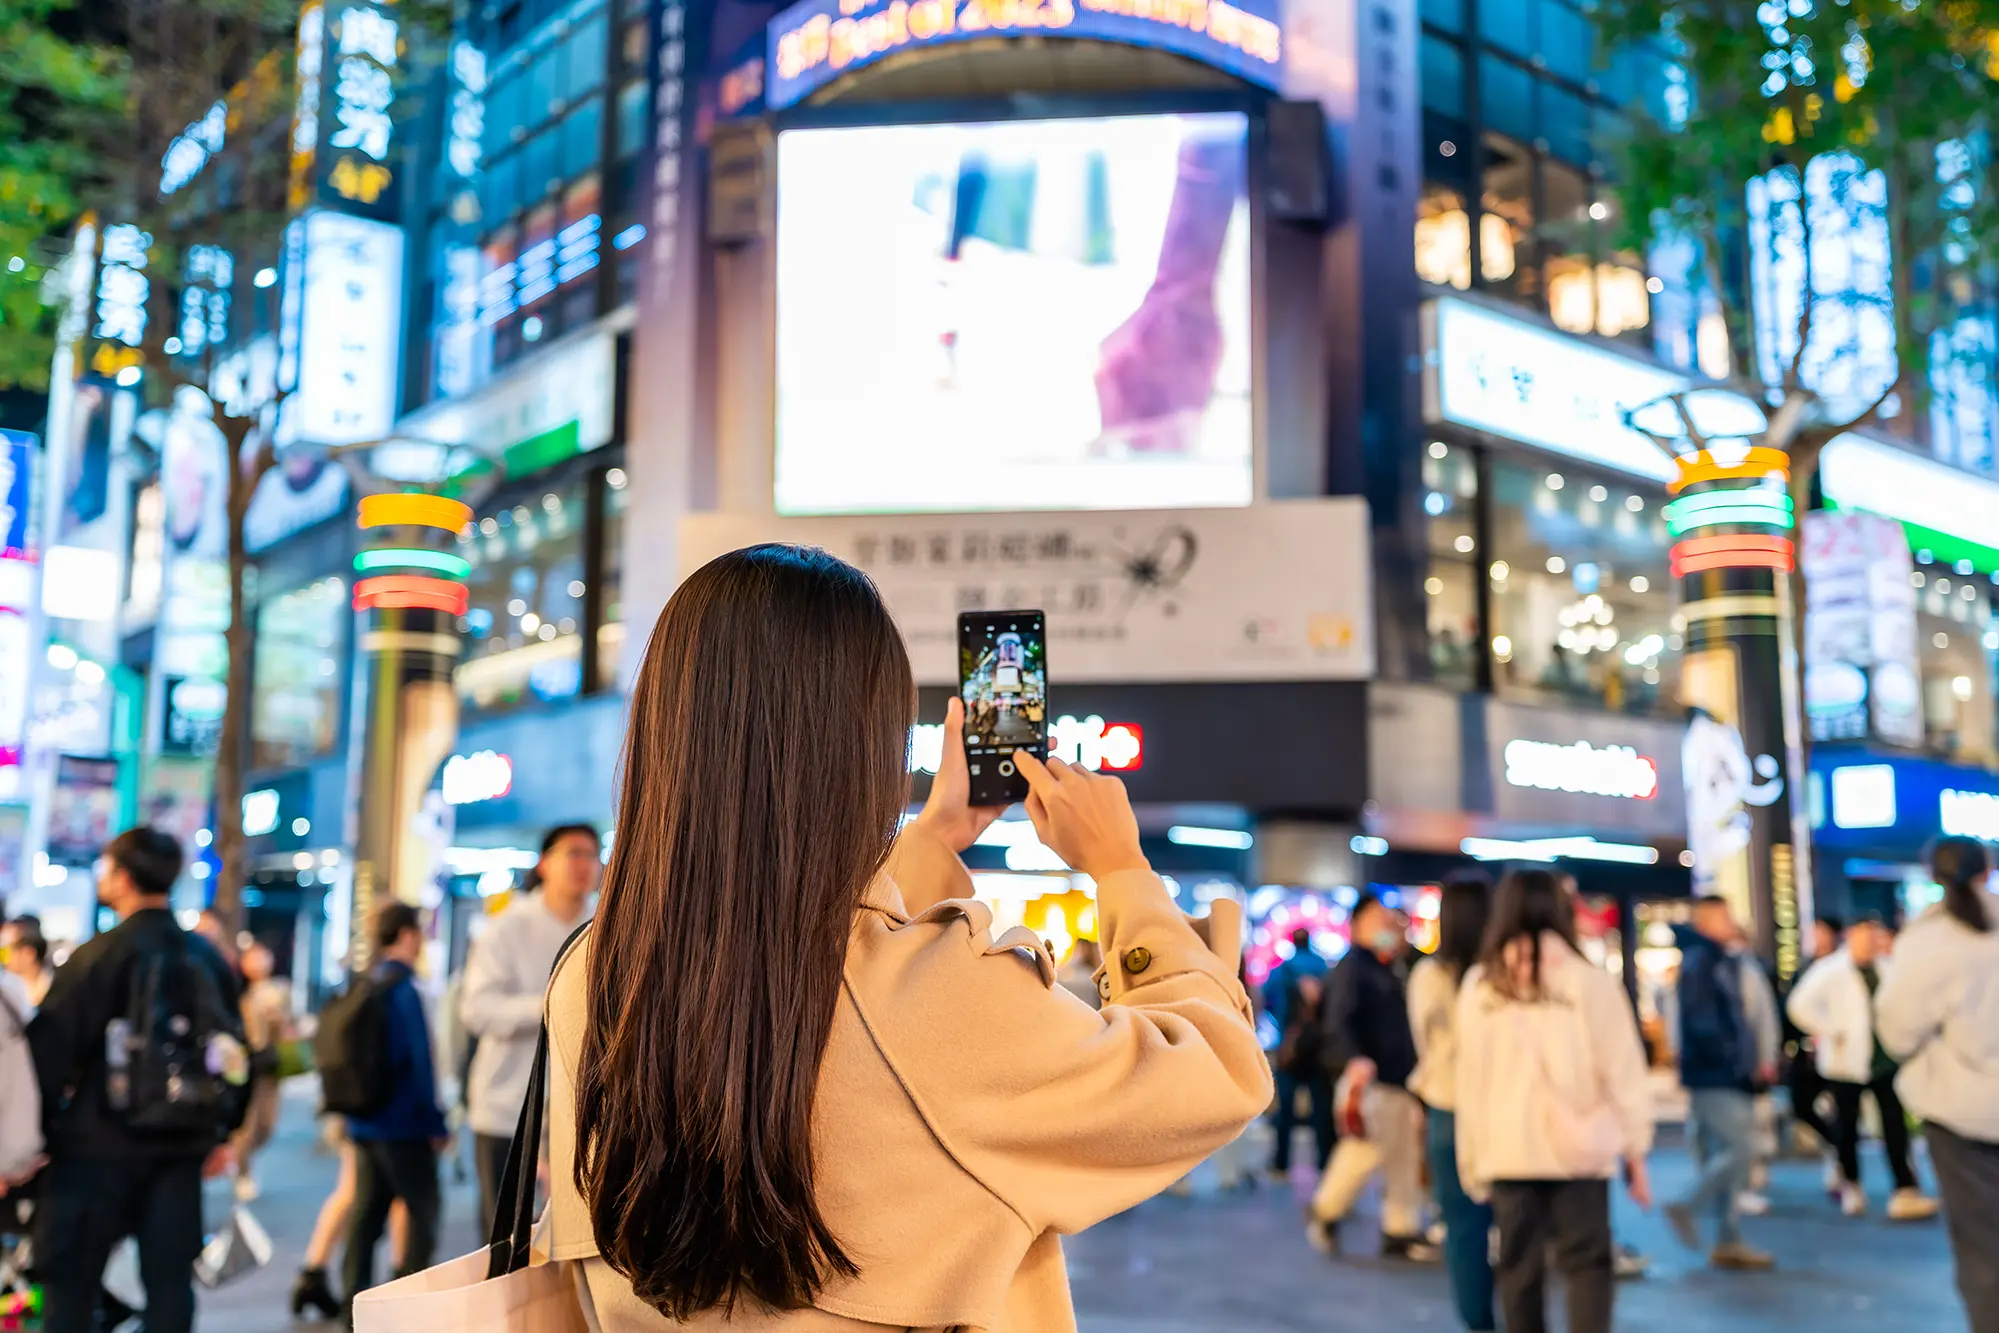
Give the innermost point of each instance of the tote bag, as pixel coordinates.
(500, 1289)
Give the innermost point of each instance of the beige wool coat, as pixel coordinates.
(969, 1110)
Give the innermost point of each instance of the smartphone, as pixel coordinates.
(1003, 680)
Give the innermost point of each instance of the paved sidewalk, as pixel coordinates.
(1239, 1263)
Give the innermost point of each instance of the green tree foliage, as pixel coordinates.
(1906, 88)
(53, 83)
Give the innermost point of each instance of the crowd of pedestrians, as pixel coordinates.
(1522, 1063)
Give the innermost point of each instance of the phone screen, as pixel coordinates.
(1003, 680)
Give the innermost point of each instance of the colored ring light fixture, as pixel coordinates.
(414, 510)
(411, 591)
(411, 557)
(1733, 551)
(1755, 465)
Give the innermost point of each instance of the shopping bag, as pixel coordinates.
(241, 1247)
(502, 1288)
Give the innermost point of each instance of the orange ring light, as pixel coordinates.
(1732, 541)
(414, 510)
(1761, 461)
(411, 590)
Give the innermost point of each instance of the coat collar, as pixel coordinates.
(883, 896)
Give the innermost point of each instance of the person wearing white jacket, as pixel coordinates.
(1551, 1101)
(1938, 1013)
(506, 978)
(1834, 1003)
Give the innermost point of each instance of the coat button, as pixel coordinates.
(1137, 960)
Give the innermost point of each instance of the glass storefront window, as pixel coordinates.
(296, 698)
(1583, 607)
(523, 625)
(1956, 641)
(1443, 237)
(1450, 498)
(1505, 256)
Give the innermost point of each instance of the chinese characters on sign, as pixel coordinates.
(816, 41)
(468, 108)
(347, 343)
(1129, 597)
(305, 111)
(208, 272)
(359, 169)
(122, 287)
(672, 51)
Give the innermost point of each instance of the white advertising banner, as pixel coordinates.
(349, 344)
(1278, 591)
(1527, 382)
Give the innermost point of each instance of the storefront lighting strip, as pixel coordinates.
(410, 557)
(1758, 463)
(414, 510)
(1550, 849)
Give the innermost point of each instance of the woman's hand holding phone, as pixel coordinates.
(1083, 817)
(949, 814)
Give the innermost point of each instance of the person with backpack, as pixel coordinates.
(1292, 995)
(1552, 1101)
(1938, 1013)
(140, 1059)
(397, 1128)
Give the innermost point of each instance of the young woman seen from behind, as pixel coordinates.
(1462, 913)
(798, 1082)
(1938, 1013)
(1551, 1100)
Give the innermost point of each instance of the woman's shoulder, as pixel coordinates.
(567, 1007)
(953, 944)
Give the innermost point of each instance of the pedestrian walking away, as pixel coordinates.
(1463, 910)
(267, 1025)
(1552, 1102)
(131, 1130)
(874, 1108)
(396, 1147)
(1718, 1068)
(1293, 996)
(1834, 1001)
(1369, 1048)
(1938, 1013)
(506, 979)
(1808, 1086)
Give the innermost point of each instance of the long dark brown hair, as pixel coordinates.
(1959, 866)
(1463, 908)
(765, 769)
(1528, 904)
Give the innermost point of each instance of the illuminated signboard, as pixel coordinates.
(348, 339)
(362, 48)
(1089, 742)
(471, 778)
(17, 461)
(816, 41)
(1609, 770)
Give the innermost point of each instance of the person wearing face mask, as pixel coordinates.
(1371, 1050)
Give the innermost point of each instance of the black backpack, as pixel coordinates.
(351, 1049)
(167, 1056)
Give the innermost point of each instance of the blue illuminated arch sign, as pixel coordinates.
(816, 41)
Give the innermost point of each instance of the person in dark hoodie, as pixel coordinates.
(1369, 1047)
(396, 1149)
(1719, 1068)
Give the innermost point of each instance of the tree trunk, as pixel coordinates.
(232, 747)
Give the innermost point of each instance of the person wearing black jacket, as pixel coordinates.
(105, 1180)
(1370, 1049)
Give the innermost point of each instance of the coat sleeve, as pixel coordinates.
(1913, 1001)
(1474, 1054)
(1810, 1005)
(494, 1003)
(1618, 1052)
(1069, 1115)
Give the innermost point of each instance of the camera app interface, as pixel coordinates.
(1002, 662)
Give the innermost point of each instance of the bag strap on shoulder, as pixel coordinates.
(513, 1221)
